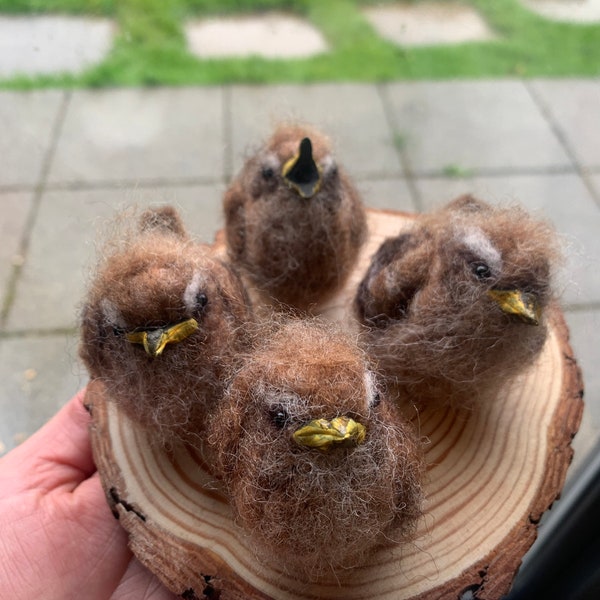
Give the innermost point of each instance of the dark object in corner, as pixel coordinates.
(564, 563)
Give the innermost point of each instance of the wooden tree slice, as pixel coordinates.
(491, 474)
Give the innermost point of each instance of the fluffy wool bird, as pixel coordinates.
(456, 305)
(319, 467)
(293, 219)
(162, 325)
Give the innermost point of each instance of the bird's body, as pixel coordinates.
(455, 306)
(319, 467)
(293, 220)
(162, 325)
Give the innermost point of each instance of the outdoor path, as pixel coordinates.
(71, 159)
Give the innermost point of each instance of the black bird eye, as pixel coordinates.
(376, 400)
(334, 171)
(267, 173)
(201, 300)
(481, 270)
(279, 417)
(118, 331)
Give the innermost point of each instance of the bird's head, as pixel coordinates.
(175, 306)
(465, 258)
(153, 301)
(297, 159)
(307, 392)
(156, 292)
(503, 259)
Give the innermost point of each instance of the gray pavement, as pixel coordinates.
(70, 160)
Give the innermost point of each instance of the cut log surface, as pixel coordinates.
(491, 473)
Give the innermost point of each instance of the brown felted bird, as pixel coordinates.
(319, 467)
(162, 325)
(456, 305)
(294, 221)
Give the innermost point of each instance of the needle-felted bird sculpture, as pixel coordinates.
(162, 325)
(294, 221)
(456, 305)
(319, 467)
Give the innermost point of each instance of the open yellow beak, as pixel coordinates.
(155, 340)
(323, 434)
(301, 172)
(523, 305)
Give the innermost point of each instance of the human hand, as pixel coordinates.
(58, 538)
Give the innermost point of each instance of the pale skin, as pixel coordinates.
(58, 537)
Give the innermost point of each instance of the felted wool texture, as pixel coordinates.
(153, 276)
(297, 250)
(309, 512)
(434, 332)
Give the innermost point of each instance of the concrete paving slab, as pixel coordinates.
(64, 241)
(473, 125)
(428, 23)
(39, 375)
(594, 180)
(573, 11)
(351, 114)
(582, 325)
(13, 217)
(270, 35)
(392, 194)
(562, 198)
(574, 106)
(200, 206)
(141, 135)
(41, 45)
(585, 442)
(26, 123)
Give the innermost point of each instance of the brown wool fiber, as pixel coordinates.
(305, 511)
(430, 325)
(152, 277)
(297, 250)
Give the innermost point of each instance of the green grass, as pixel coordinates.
(456, 171)
(93, 7)
(150, 47)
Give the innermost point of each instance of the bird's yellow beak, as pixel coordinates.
(323, 434)
(523, 305)
(155, 340)
(301, 172)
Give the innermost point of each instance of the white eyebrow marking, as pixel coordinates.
(111, 313)
(481, 246)
(270, 160)
(370, 388)
(327, 164)
(192, 289)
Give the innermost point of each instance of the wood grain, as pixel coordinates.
(491, 474)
